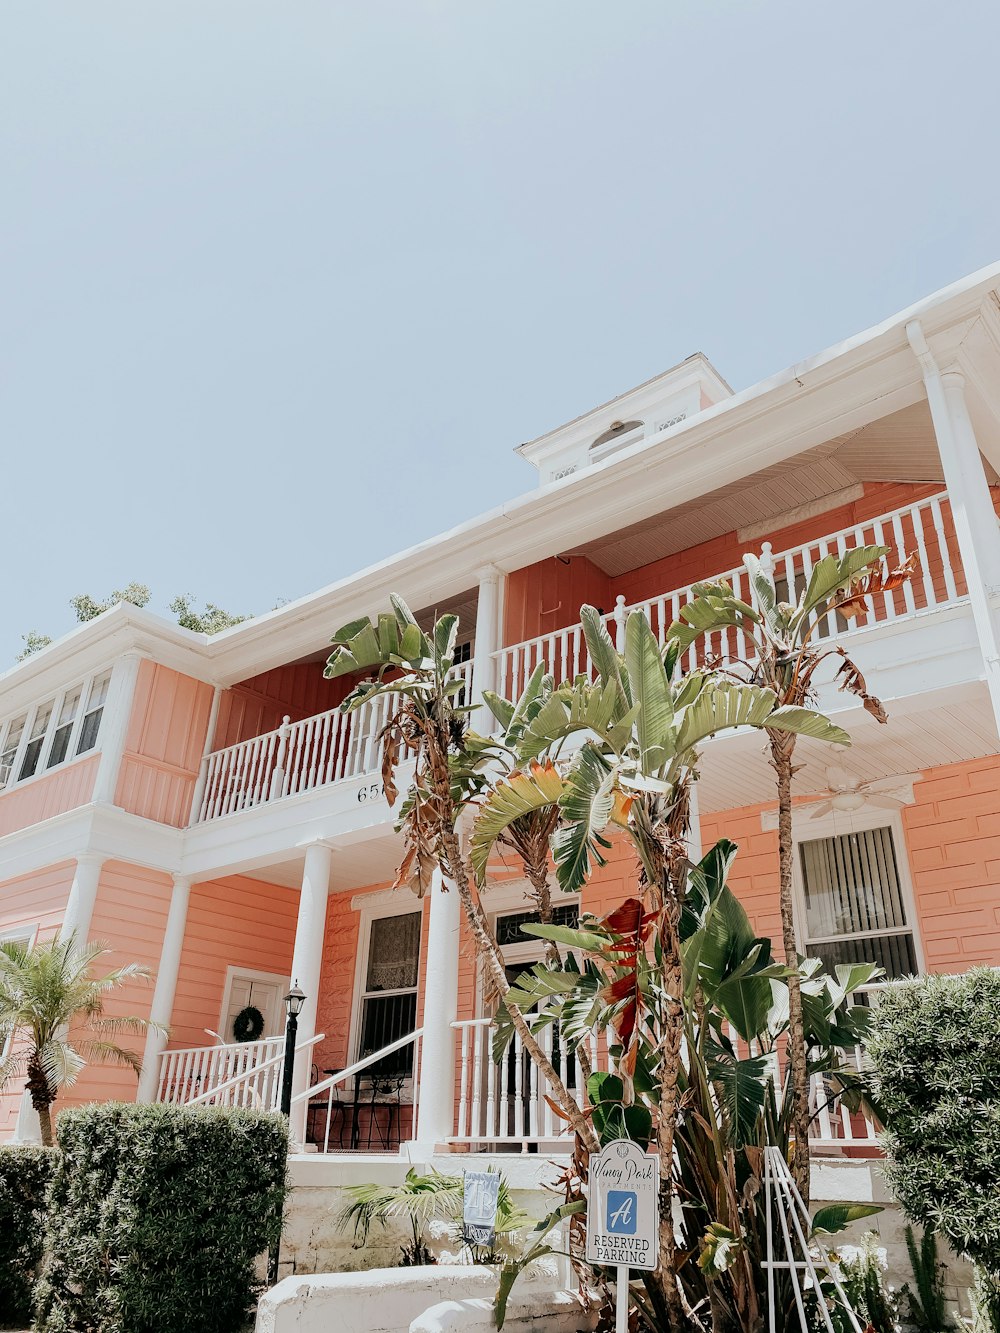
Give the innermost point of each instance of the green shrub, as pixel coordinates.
(24, 1176)
(157, 1217)
(935, 1062)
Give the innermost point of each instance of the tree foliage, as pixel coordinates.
(85, 607)
(158, 1216)
(935, 1063)
(24, 1177)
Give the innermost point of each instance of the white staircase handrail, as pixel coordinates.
(248, 1074)
(359, 1066)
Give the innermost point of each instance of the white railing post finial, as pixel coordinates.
(767, 559)
(620, 622)
(278, 776)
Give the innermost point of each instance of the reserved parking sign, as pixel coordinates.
(623, 1213)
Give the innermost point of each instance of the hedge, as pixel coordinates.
(157, 1217)
(24, 1177)
(934, 1053)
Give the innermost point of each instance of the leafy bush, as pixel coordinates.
(926, 1304)
(935, 1064)
(157, 1217)
(24, 1176)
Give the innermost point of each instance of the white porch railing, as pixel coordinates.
(502, 1105)
(238, 1074)
(299, 756)
(925, 527)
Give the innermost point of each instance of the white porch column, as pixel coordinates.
(82, 897)
(307, 964)
(162, 1007)
(199, 786)
(114, 726)
(436, 1100)
(976, 525)
(487, 643)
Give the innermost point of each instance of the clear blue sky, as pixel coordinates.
(282, 284)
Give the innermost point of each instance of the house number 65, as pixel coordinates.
(370, 793)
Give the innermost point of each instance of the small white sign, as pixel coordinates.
(479, 1207)
(623, 1207)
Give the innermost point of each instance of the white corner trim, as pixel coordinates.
(383, 898)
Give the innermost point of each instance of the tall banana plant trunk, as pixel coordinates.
(782, 751)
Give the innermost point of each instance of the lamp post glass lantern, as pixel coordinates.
(294, 1001)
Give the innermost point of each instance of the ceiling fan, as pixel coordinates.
(846, 793)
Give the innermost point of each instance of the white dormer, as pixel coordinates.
(663, 403)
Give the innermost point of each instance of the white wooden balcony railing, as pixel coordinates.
(925, 527)
(298, 757)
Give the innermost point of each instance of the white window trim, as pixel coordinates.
(386, 902)
(502, 899)
(836, 824)
(15, 783)
(29, 934)
(268, 978)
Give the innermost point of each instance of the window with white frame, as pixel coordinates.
(854, 902)
(389, 994)
(53, 731)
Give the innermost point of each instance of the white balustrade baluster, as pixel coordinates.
(463, 1082)
(562, 672)
(503, 662)
(806, 571)
(879, 533)
(519, 1129)
(577, 638)
(926, 573)
(480, 1037)
(492, 1070)
(899, 559)
(937, 515)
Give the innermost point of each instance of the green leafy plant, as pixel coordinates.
(158, 1216)
(24, 1177)
(784, 650)
(985, 1301)
(418, 1201)
(935, 1068)
(924, 1301)
(52, 1012)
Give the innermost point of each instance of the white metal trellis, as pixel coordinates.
(782, 1199)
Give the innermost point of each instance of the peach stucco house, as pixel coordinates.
(201, 804)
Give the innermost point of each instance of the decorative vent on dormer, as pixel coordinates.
(617, 435)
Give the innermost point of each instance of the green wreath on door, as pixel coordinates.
(248, 1025)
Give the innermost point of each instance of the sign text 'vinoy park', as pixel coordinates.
(623, 1207)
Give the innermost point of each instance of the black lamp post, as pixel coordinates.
(294, 1001)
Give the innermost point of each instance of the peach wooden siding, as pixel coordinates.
(131, 915)
(547, 596)
(257, 705)
(37, 900)
(50, 795)
(233, 922)
(164, 745)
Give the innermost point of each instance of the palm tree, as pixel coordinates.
(52, 1015)
(787, 648)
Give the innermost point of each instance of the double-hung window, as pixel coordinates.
(854, 901)
(96, 699)
(389, 998)
(53, 731)
(36, 739)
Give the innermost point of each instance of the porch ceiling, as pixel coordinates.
(898, 447)
(923, 731)
(356, 865)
